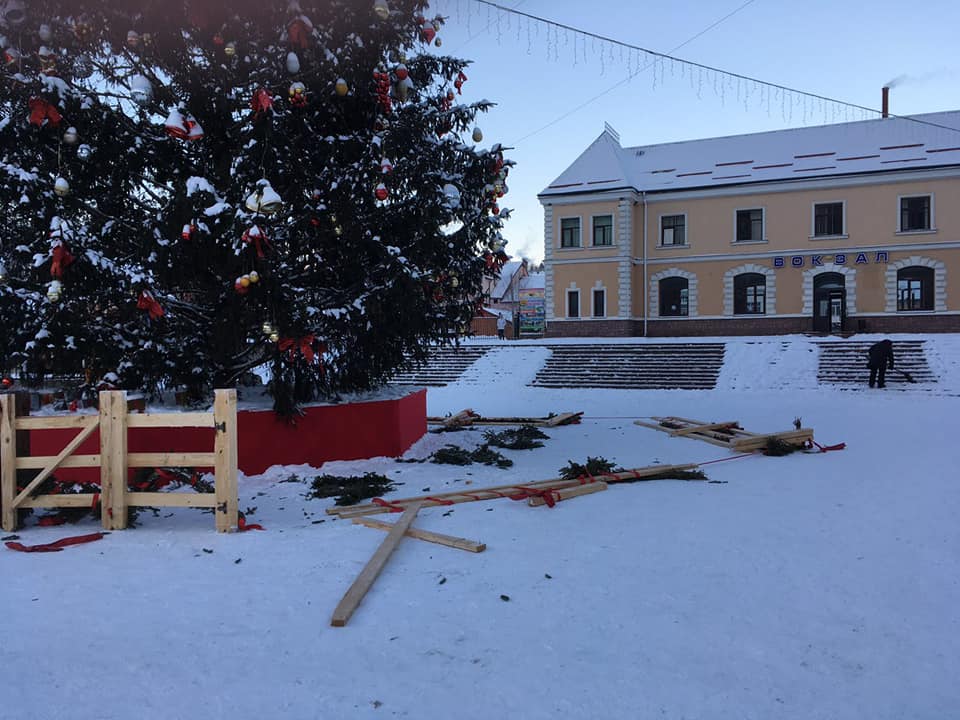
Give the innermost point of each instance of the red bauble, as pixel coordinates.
(381, 192)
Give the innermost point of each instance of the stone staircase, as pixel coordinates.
(445, 365)
(664, 366)
(845, 363)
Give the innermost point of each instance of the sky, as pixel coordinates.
(545, 90)
(806, 587)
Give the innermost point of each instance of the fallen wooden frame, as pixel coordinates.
(114, 460)
(556, 496)
(519, 491)
(466, 418)
(434, 537)
(727, 434)
(356, 592)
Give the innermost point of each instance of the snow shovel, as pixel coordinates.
(907, 376)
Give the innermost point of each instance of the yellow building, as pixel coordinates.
(853, 227)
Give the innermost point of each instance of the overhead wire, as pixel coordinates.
(701, 66)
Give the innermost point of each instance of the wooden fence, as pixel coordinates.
(114, 460)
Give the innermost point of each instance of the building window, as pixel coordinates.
(673, 230)
(603, 230)
(915, 213)
(827, 219)
(674, 297)
(573, 303)
(915, 288)
(750, 225)
(570, 232)
(750, 294)
(599, 303)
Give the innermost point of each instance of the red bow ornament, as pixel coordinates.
(61, 260)
(303, 345)
(458, 83)
(256, 236)
(261, 102)
(41, 111)
(149, 303)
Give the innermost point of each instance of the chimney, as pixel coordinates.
(885, 105)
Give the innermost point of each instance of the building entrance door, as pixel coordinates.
(829, 303)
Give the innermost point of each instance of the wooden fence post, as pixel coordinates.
(225, 452)
(113, 459)
(8, 462)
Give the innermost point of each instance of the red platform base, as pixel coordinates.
(350, 431)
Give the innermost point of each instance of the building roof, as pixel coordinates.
(506, 277)
(534, 281)
(895, 143)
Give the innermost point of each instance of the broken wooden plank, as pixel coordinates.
(439, 538)
(567, 493)
(700, 428)
(497, 491)
(368, 575)
(563, 419)
(793, 437)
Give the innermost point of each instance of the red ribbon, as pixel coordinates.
(261, 102)
(255, 235)
(243, 525)
(302, 345)
(57, 545)
(41, 110)
(61, 260)
(458, 83)
(148, 302)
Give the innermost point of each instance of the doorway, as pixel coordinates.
(829, 303)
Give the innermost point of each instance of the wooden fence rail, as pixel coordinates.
(114, 460)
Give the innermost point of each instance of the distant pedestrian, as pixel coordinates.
(501, 326)
(881, 358)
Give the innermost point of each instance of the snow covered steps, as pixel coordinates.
(444, 366)
(845, 362)
(660, 366)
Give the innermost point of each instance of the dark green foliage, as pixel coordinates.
(526, 437)
(593, 467)
(454, 455)
(486, 456)
(350, 490)
(350, 287)
(776, 447)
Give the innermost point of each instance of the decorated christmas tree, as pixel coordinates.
(194, 189)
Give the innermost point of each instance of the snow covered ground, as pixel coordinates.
(800, 587)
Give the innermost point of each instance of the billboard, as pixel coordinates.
(532, 311)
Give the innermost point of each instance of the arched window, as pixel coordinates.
(674, 297)
(915, 288)
(750, 294)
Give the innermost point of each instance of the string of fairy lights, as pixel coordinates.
(560, 40)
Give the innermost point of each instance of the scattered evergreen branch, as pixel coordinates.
(526, 437)
(778, 448)
(594, 466)
(454, 455)
(352, 489)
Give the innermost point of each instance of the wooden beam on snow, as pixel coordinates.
(439, 538)
(367, 576)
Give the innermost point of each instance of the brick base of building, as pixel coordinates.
(749, 326)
